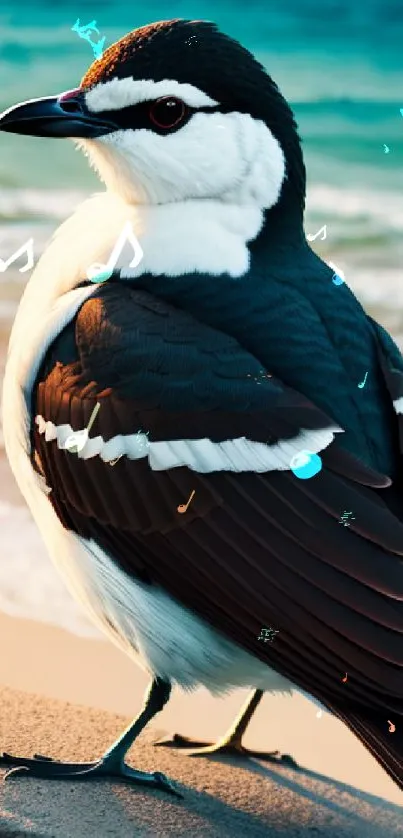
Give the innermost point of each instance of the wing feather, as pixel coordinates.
(253, 549)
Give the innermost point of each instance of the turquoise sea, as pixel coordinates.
(338, 62)
(340, 65)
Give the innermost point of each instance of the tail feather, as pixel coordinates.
(378, 736)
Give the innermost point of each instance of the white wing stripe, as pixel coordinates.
(201, 455)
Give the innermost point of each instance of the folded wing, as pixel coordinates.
(187, 409)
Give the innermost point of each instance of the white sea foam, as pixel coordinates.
(384, 207)
(344, 201)
(45, 203)
(29, 584)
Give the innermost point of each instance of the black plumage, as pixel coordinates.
(253, 549)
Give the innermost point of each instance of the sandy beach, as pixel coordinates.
(68, 697)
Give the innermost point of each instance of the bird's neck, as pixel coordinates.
(196, 236)
(204, 236)
(199, 238)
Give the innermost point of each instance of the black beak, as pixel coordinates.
(56, 116)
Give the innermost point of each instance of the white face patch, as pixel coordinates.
(230, 157)
(122, 93)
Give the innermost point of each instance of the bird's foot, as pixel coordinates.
(107, 768)
(230, 747)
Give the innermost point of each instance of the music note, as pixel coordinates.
(113, 462)
(182, 507)
(83, 32)
(338, 276)
(100, 272)
(363, 382)
(392, 727)
(28, 247)
(98, 48)
(76, 441)
(344, 679)
(312, 238)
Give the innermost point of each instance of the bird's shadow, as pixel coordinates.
(287, 777)
(326, 811)
(351, 800)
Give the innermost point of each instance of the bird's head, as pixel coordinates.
(174, 111)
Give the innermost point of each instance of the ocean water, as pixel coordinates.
(339, 63)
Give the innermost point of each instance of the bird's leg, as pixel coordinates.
(111, 765)
(231, 742)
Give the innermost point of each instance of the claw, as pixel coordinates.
(19, 770)
(47, 768)
(166, 784)
(226, 746)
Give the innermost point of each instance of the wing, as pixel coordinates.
(186, 408)
(391, 362)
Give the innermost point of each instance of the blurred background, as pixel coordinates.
(339, 64)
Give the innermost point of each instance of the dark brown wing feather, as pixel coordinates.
(252, 550)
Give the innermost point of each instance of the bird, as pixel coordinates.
(224, 355)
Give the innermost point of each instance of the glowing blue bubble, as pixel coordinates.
(338, 275)
(101, 277)
(305, 464)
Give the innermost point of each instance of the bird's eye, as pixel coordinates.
(167, 112)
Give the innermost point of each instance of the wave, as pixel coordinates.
(26, 204)
(57, 204)
(29, 584)
(382, 206)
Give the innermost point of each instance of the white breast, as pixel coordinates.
(167, 639)
(163, 636)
